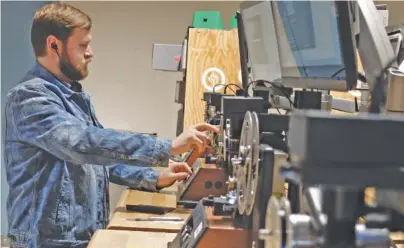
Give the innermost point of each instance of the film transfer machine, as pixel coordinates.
(292, 54)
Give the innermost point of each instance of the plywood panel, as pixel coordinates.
(213, 59)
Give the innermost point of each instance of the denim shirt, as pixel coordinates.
(59, 161)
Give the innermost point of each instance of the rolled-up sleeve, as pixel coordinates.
(134, 177)
(40, 119)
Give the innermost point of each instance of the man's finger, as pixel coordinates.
(183, 167)
(204, 137)
(207, 127)
(180, 176)
(198, 144)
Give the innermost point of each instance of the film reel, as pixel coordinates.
(277, 225)
(243, 164)
(253, 168)
(246, 165)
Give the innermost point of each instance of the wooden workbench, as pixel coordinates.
(398, 239)
(123, 220)
(130, 239)
(124, 233)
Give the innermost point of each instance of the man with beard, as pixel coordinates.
(59, 158)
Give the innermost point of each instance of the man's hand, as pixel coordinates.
(174, 172)
(194, 138)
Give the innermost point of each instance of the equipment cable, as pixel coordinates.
(273, 85)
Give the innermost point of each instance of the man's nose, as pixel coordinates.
(89, 53)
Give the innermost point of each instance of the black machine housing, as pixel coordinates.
(355, 151)
(228, 111)
(344, 155)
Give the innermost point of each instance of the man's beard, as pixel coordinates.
(71, 72)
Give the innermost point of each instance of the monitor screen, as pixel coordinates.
(309, 49)
(308, 39)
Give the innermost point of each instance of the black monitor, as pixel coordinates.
(374, 46)
(243, 51)
(314, 41)
(261, 42)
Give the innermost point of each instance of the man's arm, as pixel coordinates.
(146, 179)
(134, 177)
(40, 119)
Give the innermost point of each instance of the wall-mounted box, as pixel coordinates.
(167, 57)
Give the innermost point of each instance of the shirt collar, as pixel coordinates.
(43, 73)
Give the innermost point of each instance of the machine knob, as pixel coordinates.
(297, 230)
(371, 238)
(212, 111)
(236, 161)
(244, 149)
(264, 234)
(186, 230)
(185, 237)
(301, 231)
(231, 180)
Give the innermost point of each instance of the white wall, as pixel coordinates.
(127, 93)
(396, 9)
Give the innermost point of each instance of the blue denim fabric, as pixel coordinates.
(59, 160)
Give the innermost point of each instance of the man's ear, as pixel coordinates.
(53, 44)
